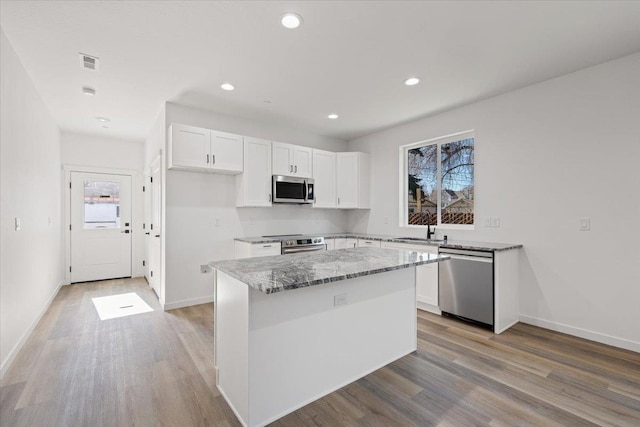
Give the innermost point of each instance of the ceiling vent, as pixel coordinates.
(89, 62)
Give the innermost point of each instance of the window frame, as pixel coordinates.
(404, 184)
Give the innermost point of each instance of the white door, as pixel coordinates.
(324, 175)
(100, 226)
(281, 163)
(257, 160)
(302, 162)
(155, 259)
(226, 151)
(347, 180)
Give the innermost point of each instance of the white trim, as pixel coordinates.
(187, 303)
(6, 364)
(428, 307)
(226, 399)
(135, 186)
(582, 333)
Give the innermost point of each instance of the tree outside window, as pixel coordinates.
(440, 181)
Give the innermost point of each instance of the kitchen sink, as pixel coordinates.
(420, 239)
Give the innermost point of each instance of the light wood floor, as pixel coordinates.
(157, 369)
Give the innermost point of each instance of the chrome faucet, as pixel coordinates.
(429, 232)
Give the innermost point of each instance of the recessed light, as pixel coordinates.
(332, 116)
(291, 20)
(102, 119)
(88, 90)
(412, 81)
(227, 86)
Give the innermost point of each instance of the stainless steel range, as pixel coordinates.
(295, 243)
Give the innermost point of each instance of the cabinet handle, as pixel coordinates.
(290, 168)
(269, 197)
(266, 246)
(296, 169)
(213, 159)
(207, 159)
(338, 200)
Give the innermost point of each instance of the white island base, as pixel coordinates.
(276, 353)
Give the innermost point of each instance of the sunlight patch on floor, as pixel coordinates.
(121, 305)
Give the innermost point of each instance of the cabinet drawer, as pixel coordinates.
(363, 243)
(265, 249)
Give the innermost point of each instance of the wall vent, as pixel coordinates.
(89, 62)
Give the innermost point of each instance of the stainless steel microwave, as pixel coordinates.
(293, 190)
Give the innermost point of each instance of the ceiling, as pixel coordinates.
(349, 57)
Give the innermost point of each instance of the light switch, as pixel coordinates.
(585, 224)
(495, 222)
(487, 222)
(18, 224)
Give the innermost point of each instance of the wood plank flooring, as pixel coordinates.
(156, 369)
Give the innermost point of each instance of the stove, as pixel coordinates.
(295, 243)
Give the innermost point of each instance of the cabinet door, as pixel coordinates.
(427, 284)
(347, 180)
(256, 177)
(302, 161)
(189, 147)
(324, 175)
(345, 243)
(331, 244)
(281, 159)
(226, 152)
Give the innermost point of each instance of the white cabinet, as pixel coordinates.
(366, 243)
(331, 244)
(292, 160)
(426, 277)
(353, 180)
(324, 176)
(343, 243)
(252, 250)
(204, 150)
(253, 185)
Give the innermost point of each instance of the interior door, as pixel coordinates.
(100, 226)
(155, 258)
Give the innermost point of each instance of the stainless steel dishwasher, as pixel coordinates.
(466, 285)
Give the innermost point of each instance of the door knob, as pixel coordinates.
(157, 235)
(125, 231)
(147, 233)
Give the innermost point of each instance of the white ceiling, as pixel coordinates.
(349, 57)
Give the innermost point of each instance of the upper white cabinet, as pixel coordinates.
(205, 150)
(291, 160)
(353, 178)
(324, 175)
(253, 186)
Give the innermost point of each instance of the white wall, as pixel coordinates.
(547, 155)
(195, 200)
(104, 153)
(30, 187)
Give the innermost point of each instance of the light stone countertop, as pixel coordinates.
(450, 244)
(279, 273)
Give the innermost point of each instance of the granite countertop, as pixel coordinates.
(451, 244)
(279, 273)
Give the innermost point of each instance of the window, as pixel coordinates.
(101, 204)
(438, 184)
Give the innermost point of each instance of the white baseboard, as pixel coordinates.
(582, 333)
(428, 307)
(25, 336)
(186, 303)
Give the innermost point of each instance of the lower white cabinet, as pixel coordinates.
(426, 277)
(345, 243)
(252, 250)
(330, 243)
(366, 243)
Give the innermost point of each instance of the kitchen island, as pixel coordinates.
(290, 329)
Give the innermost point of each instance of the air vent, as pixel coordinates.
(89, 62)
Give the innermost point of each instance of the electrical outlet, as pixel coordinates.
(217, 222)
(487, 222)
(18, 224)
(252, 221)
(495, 222)
(585, 224)
(204, 269)
(339, 300)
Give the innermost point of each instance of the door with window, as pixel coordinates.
(100, 226)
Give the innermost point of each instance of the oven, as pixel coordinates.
(297, 243)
